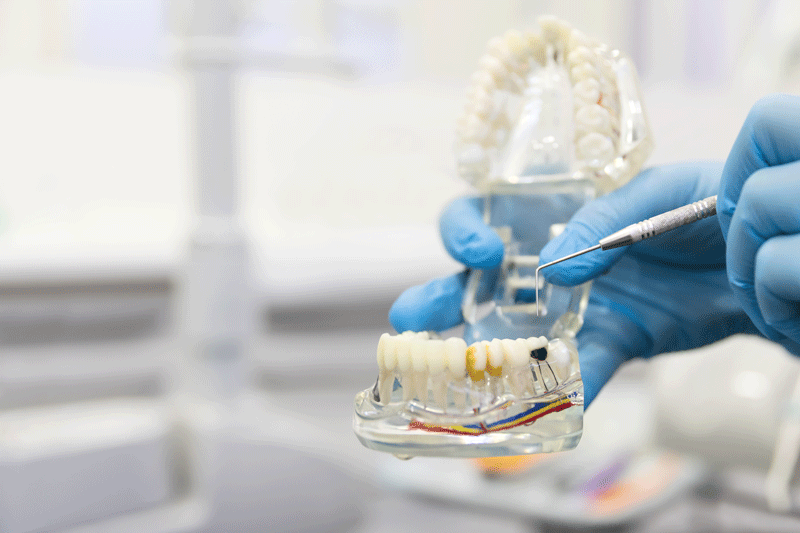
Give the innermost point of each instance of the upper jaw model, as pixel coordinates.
(551, 121)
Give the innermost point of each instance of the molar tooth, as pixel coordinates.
(455, 355)
(514, 354)
(558, 355)
(586, 92)
(434, 353)
(595, 146)
(593, 118)
(582, 72)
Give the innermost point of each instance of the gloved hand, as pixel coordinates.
(759, 212)
(664, 294)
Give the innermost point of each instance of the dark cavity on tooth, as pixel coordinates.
(540, 354)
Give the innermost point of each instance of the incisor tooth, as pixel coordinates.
(455, 350)
(434, 353)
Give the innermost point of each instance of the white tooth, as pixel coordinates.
(483, 79)
(403, 353)
(455, 350)
(390, 352)
(586, 91)
(421, 386)
(535, 47)
(578, 38)
(494, 67)
(481, 103)
(475, 128)
(517, 45)
(559, 358)
(534, 343)
(439, 389)
(582, 72)
(417, 350)
(593, 118)
(495, 355)
(434, 353)
(472, 155)
(385, 386)
(423, 335)
(382, 350)
(515, 354)
(595, 146)
(580, 55)
(407, 382)
(555, 30)
(500, 51)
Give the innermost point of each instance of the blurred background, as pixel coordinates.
(207, 209)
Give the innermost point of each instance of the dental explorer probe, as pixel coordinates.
(644, 230)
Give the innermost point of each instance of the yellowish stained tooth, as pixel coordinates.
(586, 92)
(595, 146)
(580, 55)
(593, 118)
(494, 361)
(390, 352)
(382, 349)
(455, 350)
(403, 353)
(583, 71)
(476, 361)
(434, 353)
(417, 349)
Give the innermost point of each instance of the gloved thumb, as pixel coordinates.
(652, 192)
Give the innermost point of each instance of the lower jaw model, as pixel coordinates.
(444, 398)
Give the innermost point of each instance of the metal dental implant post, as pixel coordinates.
(644, 230)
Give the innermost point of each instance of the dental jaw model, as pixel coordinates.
(552, 120)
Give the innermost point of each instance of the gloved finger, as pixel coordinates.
(768, 206)
(777, 284)
(466, 236)
(608, 339)
(436, 305)
(767, 138)
(652, 192)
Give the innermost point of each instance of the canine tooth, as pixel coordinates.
(586, 91)
(476, 360)
(593, 118)
(455, 355)
(583, 71)
(595, 146)
(434, 353)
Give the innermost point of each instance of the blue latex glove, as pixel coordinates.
(665, 294)
(759, 211)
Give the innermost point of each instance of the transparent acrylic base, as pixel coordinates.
(485, 425)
